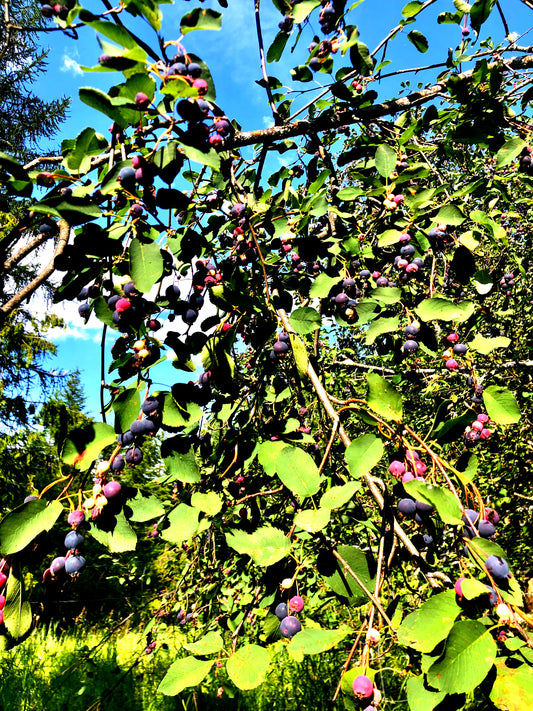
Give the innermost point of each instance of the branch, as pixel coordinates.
(331, 120)
(27, 291)
(277, 118)
(24, 251)
(333, 415)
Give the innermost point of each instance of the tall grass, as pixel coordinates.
(58, 673)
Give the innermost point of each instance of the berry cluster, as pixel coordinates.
(281, 346)
(484, 525)
(72, 562)
(55, 10)
(320, 52)
(289, 623)
(507, 282)
(328, 18)
(478, 430)
(457, 349)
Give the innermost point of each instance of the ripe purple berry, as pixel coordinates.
(290, 626)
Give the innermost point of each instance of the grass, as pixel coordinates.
(51, 673)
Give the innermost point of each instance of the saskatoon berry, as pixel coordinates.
(486, 529)
(73, 540)
(74, 563)
(397, 468)
(118, 463)
(281, 611)
(410, 346)
(84, 310)
(290, 626)
(407, 507)
(57, 565)
(280, 348)
(150, 405)
(470, 516)
(363, 688)
(460, 349)
(407, 250)
(497, 567)
(111, 489)
(76, 517)
(126, 438)
(296, 604)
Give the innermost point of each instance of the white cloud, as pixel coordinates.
(70, 65)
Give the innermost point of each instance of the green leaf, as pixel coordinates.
(342, 582)
(88, 143)
(298, 471)
(419, 697)
(479, 12)
(484, 345)
(176, 414)
(126, 406)
(381, 326)
(424, 628)
(313, 520)
(122, 538)
(268, 453)
(182, 466)
(305, 320)
(316, 641)
(385, 160)
(412, 8)
(450, 215)
(462, 6)
(209, 503)
(383, 398)
(266, 546)
(303, 9)
(183, 526)
(501, 405)
(322, 285)
(146, 264)
(389, 237)
(301, 73)
(276, 48)
(248, 666)
(386, 294)
(200, 19)
(146, 8)
(99, 100)
(145, 507)
(182, 674)
(363, 454)
(210, 643)
(350, 193)
(442, 499)
(360, 59)
(338, 496)
(22, 525)
(469, 655)
(513, 687)
(114, 32)
(419, 40)
(439, 308)
(18, 617)
(299, 352)
(509, 151)
(210, 158)
(85, 444)
(483, 282)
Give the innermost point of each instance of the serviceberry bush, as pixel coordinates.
(352, 331)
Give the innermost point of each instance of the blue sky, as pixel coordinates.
(233, 59)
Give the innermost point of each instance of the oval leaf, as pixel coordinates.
(469, 655)
(501, 405)
(248, 667)
(383, 398)
(363, 454)
(298, 471)
(182, 674)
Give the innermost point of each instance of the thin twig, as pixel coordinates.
(277, 118)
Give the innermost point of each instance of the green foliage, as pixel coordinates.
(282, 462)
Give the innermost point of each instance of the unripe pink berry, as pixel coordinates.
(452, 364)
(397, 468)
(296, 604)
(363, 688)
